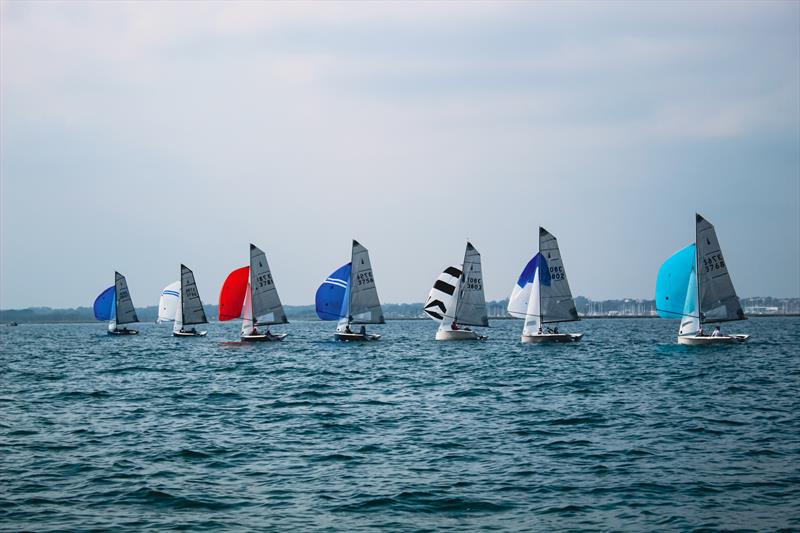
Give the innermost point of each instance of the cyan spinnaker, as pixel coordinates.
(672, 283)
(104, 304)
(330, 299)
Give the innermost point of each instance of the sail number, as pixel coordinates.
(473, 284)
(557, 273)
(264, 280)
(713, 262)
(365, 278)
(191, 292)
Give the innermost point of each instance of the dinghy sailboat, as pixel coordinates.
(180, 302)
(457, 299)
(542, 296)
(695, 286)
(250, 293)
(115, 305)
(349, 295)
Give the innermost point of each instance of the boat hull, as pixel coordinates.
(458, 335)
(124, 332)
(189, 333)
(263, 337)
(549, 338)
(707, 340)
(356, 337)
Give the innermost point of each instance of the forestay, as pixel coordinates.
(365, 307)
(471, 305)
(556, 303)
(125, 312)
(266, 305)
(718, 299)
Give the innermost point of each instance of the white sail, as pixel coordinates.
(247, 312)
(125, 312)
(266, 305)
(365, 307)
(690, 321)
(718, 299)
(168, 302)
(556, 303)
(470, 302)
(533, 313)
(192, 311)
(177, 324)
(440, 298)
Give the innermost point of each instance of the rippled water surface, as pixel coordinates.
(625, 430)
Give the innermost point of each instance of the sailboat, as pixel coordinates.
(349, 295)
(115, 305)
(542, 296)
(695, 286)
(180, 302)
(457, 299)
(249, 292)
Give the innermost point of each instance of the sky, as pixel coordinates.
(136, 136)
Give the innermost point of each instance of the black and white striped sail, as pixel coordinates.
(556, 303)
(365, 307)
(440, 300)
(266, 305)
(125, 312)
(717, 297)
(471, 304)
(190, 306)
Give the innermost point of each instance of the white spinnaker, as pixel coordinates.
(520, 296)
(440, 299)
(365, 307)
(267, 307)
(533, 314)
(470, 304)
(168, 302)
(247, 312)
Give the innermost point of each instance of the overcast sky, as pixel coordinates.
(136, 136)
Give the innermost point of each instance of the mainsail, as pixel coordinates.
(365, 307)
(718, 299)
(440, 299)
(125, 312)
(191, 306)
(556, 303)
(471, 306)
(266, 305)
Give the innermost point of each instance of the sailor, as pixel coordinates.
(700, 332)
(454, 326)
(347, 329)
(363, 330)
(717, 332)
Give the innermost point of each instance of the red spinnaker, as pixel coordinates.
(231, 296)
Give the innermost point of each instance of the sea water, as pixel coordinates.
(625, 430)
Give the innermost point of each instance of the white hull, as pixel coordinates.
(263, 337)
(551, 337)
(457, 335)
(189, 333)
(124, 332)
(694, 340)
(358, 337)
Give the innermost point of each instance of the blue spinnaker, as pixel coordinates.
(104, 304)
(330, 300)
(672, 283)
(529, 272)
